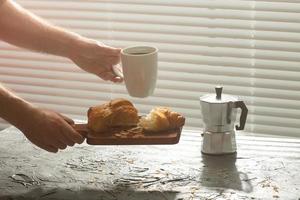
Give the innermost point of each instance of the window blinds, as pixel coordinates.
(252, 48)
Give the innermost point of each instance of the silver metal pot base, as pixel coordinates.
(218, 143)
(209, 154)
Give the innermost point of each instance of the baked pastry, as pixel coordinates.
(160, 119)
(115, 113)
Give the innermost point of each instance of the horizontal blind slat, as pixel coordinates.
(285, 6)
(105, 11)
(232, 4)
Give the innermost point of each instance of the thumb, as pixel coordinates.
(111, 51)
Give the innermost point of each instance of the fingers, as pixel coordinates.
(65, 139)
(60, 145)
(110, 76)
(53, 132)
(53, 147)
(117, 79)
(113, 60)
(100, 60)
(70, 133)
(117, 69)
(113, 51)
(67, 119)
(108, 50)
(48, 148)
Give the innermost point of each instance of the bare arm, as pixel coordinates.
(11, 106)
(22, 28)
(46, 129)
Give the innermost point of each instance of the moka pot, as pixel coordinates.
(219, 115)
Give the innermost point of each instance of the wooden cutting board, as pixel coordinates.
(131, 136)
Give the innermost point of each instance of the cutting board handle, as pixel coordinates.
(82, 129)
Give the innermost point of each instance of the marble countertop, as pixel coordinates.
(263, 168)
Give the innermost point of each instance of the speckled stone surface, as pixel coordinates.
(263, 168)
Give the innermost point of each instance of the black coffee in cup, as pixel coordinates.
(138, 53)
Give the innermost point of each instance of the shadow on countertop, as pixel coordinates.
(91, 194)
(221, 172)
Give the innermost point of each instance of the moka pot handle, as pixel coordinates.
(244, 113)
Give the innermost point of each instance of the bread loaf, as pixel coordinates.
(115, 113)
(160, 119)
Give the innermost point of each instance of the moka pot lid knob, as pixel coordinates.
(218, 97)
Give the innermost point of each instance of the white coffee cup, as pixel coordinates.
(139, 66)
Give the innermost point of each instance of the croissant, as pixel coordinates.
(160, 119)
(115, 113)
